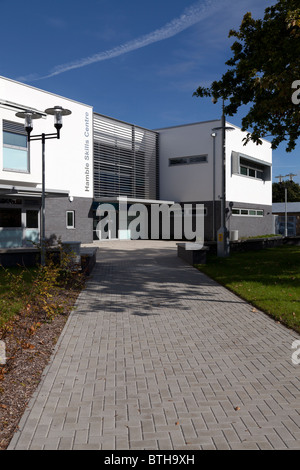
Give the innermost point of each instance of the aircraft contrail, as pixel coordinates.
(191, 15)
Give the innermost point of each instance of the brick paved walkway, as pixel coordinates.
(158, 356)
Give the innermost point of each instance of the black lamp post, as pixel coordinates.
(223, 239)
(58, 112)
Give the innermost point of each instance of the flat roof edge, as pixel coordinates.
(187, 125)
(124, 122)
(205, 122)
(18, 82)
(32, 190)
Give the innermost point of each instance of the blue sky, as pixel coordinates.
(138, 61)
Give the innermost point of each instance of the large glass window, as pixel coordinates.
(15, 155)
(10, 218)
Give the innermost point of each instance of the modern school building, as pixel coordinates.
(100, 160)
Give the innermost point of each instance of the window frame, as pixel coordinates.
(28, 220)
(14, 128)
(243, 165)
(252, 169)
(190, 160)
(13, 212)
(70, 226)
(244, 212)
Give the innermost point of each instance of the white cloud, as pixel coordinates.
(191, 16)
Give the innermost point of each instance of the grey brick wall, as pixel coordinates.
(246, 225)
(252, 226)
(55, 216)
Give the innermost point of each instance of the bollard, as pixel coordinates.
(2, 353)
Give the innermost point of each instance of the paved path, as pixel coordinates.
(158, 356)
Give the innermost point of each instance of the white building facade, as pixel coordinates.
(68, 169)
(191, 172)
(100, 159)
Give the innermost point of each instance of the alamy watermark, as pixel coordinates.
(296, 354)
(296, 94)
(155, 221)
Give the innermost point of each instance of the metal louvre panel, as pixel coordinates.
(112, 132)
(15, 127)
(125, 160)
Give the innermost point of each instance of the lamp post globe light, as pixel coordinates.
(58, 112)
(28, 116)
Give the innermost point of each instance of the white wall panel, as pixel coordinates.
(194, 182)
(69, 160)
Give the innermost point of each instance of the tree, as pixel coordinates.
(293, 191)
(265, 73)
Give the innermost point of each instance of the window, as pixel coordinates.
(10, 218)
(178, 161)
(198, 159)
(248, 212)
(249, 166)
(32, 219)
(235, 211)
(70, 219)
(252, 169)
(15, 154)
(260, 174)
(187, 160)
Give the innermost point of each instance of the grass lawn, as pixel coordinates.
(268, 279)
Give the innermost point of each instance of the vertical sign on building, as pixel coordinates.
(87, 162)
